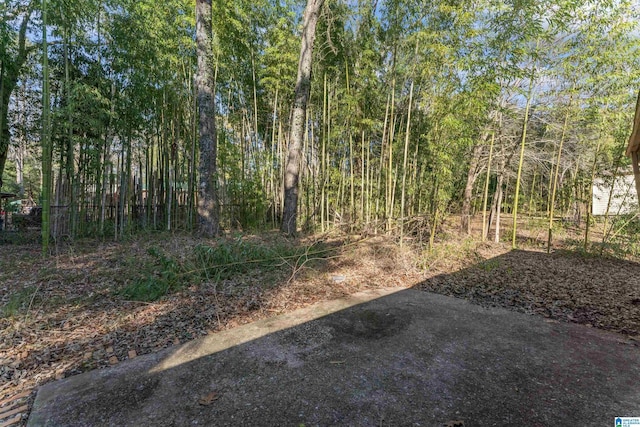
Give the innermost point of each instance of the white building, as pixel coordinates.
(623, 198)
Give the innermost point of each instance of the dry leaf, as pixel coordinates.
(599, 291)
(132, 354)
(113, 360)
(209, 399)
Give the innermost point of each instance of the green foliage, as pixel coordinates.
(227, 259)
(18, 302)
(231, 257)
(23, 237)
(489, 265)
(620, 239)
(123, 119)
(624, 247)
(159, 277)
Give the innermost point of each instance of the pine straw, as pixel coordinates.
(75, 323)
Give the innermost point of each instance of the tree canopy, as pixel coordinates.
(406, 100)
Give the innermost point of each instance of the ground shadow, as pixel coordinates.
(568, 286)
(72, 321)
(406, 358)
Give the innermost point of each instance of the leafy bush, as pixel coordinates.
(160, 277)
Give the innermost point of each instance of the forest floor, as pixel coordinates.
(88, 306)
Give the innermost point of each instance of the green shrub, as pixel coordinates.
(161, 276)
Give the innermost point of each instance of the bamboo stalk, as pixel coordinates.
(486, 189)
(521, 160)
(554, 186)
(404, 163)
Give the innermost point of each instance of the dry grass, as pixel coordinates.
(61, 315)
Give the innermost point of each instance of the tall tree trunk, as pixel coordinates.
(352, 206)
(472, 174)
(352, 216)
(554, 185)
(323, 169)
(272, 161)
(404, 162)
(10, 69)
(635, 162)
(298, 115)
(4, 127)
(192, 162)
(532, 204)
(496, 204)
(389, 191)
(21, 148)
(364, 162)
(70, 178)
(369, 186)
(607, 212)
(594, 167)
(45, 139)
(20, 156)
(485, 196)
(381, 163)
(208, 207)
(523, 140)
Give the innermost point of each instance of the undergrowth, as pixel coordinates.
(158, 277)
(238, 256)
(18, 302)
(163, 273)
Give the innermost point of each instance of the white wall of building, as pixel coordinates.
(623, 201)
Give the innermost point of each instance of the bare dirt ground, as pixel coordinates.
(62, 316)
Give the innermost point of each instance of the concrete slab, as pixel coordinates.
(378, 358)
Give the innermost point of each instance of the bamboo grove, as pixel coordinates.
(417, 110)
